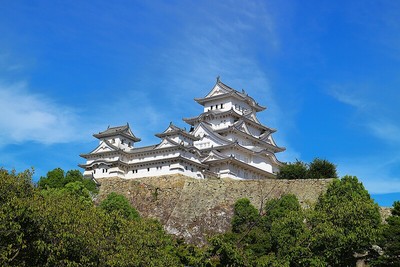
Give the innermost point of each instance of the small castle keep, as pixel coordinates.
(226, 140)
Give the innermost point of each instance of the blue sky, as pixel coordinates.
(328, 71)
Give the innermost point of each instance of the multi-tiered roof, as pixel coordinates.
(225, 140)
(229, 122)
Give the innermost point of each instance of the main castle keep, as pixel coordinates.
(226, 140)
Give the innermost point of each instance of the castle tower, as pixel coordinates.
(239, 146)
(108, 158)
(226, 140)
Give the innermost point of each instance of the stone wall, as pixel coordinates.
(194, 209)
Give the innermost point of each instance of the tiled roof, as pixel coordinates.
(118, 130)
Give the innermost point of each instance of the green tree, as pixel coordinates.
(290, 236)
(346, 220)
(245, 215)
(225, 250)
(277, 208)
(191, 255)
(295, 170)
(396, 208)
(76, 176)
(274, 239)
(54, 179)
(118, 203)
(15, 223)
(54, 227)
(321, 168)
(57, 178)
(390, 240)
(141, 242)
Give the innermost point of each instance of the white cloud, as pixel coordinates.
(385, 130)
(370, 113)
(347, 96)
(376, 172)
(225, 46)
(27, 116)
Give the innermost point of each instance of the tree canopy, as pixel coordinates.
(57, 178)
(59, 227)
(390, 240)
(118, 203)
(344, 221)
(57, 224)
(317, 169)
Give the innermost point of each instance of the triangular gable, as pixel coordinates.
(217, 90)
(242, 126)
(166, 142)
(104, 146)
(129, 132)
(268, 138)
(252, 116)
(270, 156)
(214, 155)
(169, 129)
(172, 128)
(206, 133)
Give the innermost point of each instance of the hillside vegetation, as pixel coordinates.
(57, 223)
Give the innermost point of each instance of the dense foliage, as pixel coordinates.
(62, 227)
(390, 241)
(57, 224)
(345, 221)
(295, 170)
(317, 169)
(118, 203)
(57, 178)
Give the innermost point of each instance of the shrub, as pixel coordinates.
(295, 170)
(321, 168)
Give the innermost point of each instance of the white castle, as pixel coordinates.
(226, 141)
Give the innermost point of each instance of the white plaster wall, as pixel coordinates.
(151, 157)
(144, 172)
(205, 142)
(262, 163)
(216, 105)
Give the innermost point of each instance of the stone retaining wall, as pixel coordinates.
(193, 209)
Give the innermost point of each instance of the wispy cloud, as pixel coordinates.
(27, 116)
(370, 113)
(386, 130)
(375, 171)
(212, 44)
(378, 170)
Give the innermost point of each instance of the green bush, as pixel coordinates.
(321, 168)
(58, 179)
(295, 170)
(118, 203)
(317, 169)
